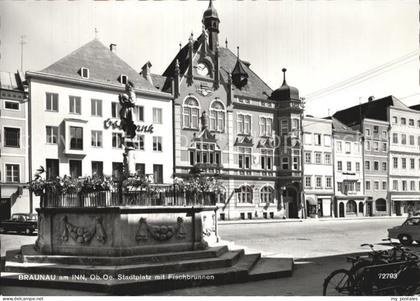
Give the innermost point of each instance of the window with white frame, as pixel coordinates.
(11, 137)
(139, 142)
(411, 122)
(267, 159)
(11, 105)
(51, 102)
(296, 160)
(318, 182)
(367, 165)
(295, 124)
(244, 124)
(157, 115)
(395, 185)
(375, 129)
(75, 105)
(318, 159)
(285, 163)
(348, 166)
(368, 145)
(12, 173)
(376, 146)
(367, 185)
(375, 165)
(76, 138)
(384, 146)
(348, 147)
(412, 163)
(96, 138)
(190, 113)
(84, 72)
(139, 114)
(412, 140)
(376, 185)
(339, 146)
(51, 134)
(367, 132)
(266, 124)
(267, 194)
(284, 127)
(395, 162)
(403, 139)
(328, 182)
(384, 185)
(205, 153)
(115, 109)
(357, 166)
(384, 167)
(327, 158)
(244, 157)
(317, 139)
(308, 181)
(245, 195)
(412, 185)
(308, 157)
(395, 138)
(217, 116)
(123, 79)
(339, 165)
(96, 107)
(157, 143)
(358, 186)
(117, 140)
(403, 163)
(394, 120)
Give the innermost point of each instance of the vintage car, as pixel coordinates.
(21, 223)
(408, 232)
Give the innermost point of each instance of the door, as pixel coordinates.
(5, 208)
(158, 173)
(397, 208)
(341, 210)
(53, 170)
(75, 168)
(369, 208)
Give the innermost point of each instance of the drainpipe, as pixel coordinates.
(302, 193)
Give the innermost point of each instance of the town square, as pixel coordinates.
(210, 148)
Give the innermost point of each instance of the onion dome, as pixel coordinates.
(210, 12)
(285, 92)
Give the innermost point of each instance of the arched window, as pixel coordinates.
(191, 110)
(380, 205)
(351, 207)
(267, 194)
(217, 116)
(245, 195)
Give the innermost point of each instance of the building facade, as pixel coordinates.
(74, 117)
(14, 146)
(231, 125)
(318, 166)
(348, 171)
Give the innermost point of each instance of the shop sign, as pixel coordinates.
(116, 124)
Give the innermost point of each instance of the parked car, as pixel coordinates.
(408, 232)
(21, 223)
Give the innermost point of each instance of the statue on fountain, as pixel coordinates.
(127, 101)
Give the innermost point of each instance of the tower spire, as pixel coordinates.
(211, 23)
(284, 76)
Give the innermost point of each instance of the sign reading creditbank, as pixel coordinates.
(116, 124)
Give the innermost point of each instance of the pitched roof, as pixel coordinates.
(375, 109)
(103, 64)
(255, 86)
(341, 127)
(11, 81)
(415, 107)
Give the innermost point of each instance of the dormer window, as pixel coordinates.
(84, 72)
(123, 79)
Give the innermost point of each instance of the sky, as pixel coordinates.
(321, 42)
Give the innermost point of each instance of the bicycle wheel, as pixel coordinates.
(338, 283)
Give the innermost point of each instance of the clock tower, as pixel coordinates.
(211, 23)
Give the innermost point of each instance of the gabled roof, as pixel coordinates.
(375, 109)
(415, 107)
(255, 87)
(103, 64)
(341, 127)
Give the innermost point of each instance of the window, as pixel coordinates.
(96, 107)
(75, 168)
(403, 139)
(367, 165)
(158, 173)
(266, 126)
(340, 186)
(295, 124)
(395, 162)
(376, 146)
(52, 102)
(75, 105)
(395, 138)
(245, 195)
(327, 140)
(308, 181)
(384, 166)
(367, 132)
(190, 113)
(318, 182)
(367, 185)
(384, 135)
(412, 163)
(375, 129)
(339, 147)
(267, 159)
(12, 173)
(284, 127)
(217, 117)
(115, 109)
(357, 166)
(285, 163)
(384, 146)
(84, 72)
(296, 159)
(244, 157)
(52, 134)
(403, 163)
(340, 165)
(140, 169)
(117, 169)
(394, 185)
(376, 165)
(368, 145)
(328, 182)
(376, 185)
(267, 195)
(307, 138)
(394, 120)
(244, 124)
(97, 168)
(327, 159)
(157, 143)
(139, 142)
(123, 79)
(11, 137)
(404, 185)
(358, 186)
(411, 122)
(412, 140)
(403, 121)
(139, 114)
(206, 153)
(384, 185)
(11, 105)
(117, 140)
(52, 170)
(412, 185)
(380, 205)
(308, 157)
(76, 138)
(317, 139)
(318, 158)
(96, 140)
(348, 166)
(157, 115)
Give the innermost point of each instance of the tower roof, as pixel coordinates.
(210, 12)
(285, 92)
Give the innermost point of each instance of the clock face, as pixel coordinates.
(202, 69)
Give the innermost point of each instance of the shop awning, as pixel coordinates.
(311, 201)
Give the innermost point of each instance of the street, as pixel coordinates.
(318, 246)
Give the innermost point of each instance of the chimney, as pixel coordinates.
(113, 47)
(145, 72)
(371, 98)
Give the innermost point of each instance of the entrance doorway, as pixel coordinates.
(397, 208)
(291, 195)
(369, 208)
(5, 208)
(341, 210)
